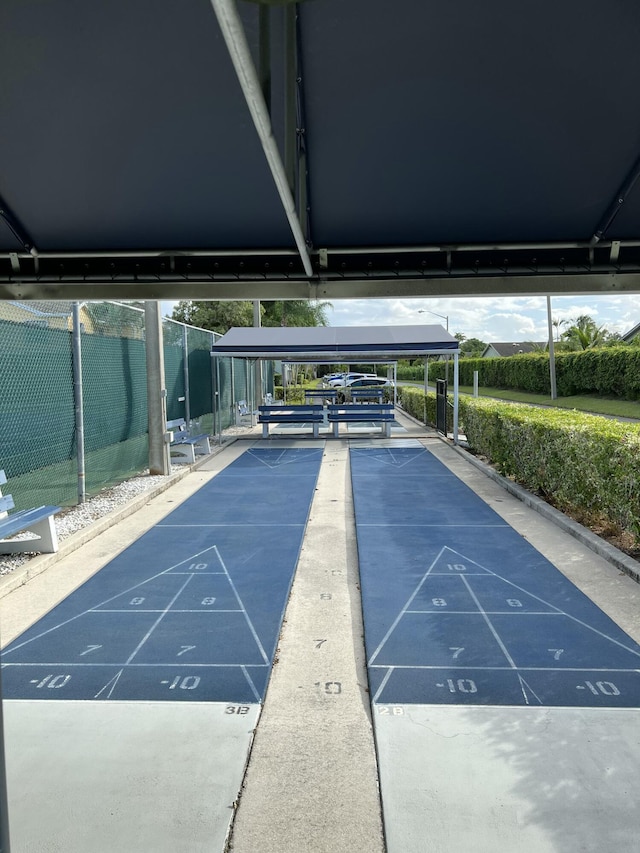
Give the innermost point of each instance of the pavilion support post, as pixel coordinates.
(455, 397)
(159, 452)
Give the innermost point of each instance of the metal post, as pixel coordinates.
(475, 383)
(4, 806)
(219, 398)
(78, 401)
(455, 397)
(552, 356)
(187, 404)
(258, 369)
(159, 453)
(232, 365)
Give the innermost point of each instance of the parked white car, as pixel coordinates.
(369, 382)
(346, 378)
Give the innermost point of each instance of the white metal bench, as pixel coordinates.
(184, 447)
(38, 521)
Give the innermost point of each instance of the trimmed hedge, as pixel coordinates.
(584, 464)
(611, 371)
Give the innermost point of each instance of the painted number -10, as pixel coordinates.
(187, 682)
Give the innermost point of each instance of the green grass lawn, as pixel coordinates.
(598, 405)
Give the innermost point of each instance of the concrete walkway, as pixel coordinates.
(311, 782)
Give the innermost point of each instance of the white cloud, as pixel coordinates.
(490, 318)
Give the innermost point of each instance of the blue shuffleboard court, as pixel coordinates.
(459, 608)
(192, 610)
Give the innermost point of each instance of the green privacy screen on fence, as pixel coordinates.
(38, 394)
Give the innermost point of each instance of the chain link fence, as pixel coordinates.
(75, 374)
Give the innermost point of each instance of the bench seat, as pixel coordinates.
(38, 521)
(286, 414)
(184, 447)
(351, 413)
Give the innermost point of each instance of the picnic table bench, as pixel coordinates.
(38, 521)
(185, 446)
(283, 413)
(351, 413)
(320, 394)
(362, 394)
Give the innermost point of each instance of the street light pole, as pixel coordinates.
(446, 318)
(435, 314)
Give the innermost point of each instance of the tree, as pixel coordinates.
(557, 322)
(222, 316)
(584, 333)
(470, 347)
(295, 312)
(216, 316)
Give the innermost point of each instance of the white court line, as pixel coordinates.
(294, 458)
(383, 683)
(246, 615)
(113, 683)
(447, 667)
(161, 665)
(157, 622)
(490, 625)
(511, 612)
(394, 524)
(405, 608)
(113, 597)
(135, 609)
(362, 451)
(557, 609)
(251, 684)
(233, 524)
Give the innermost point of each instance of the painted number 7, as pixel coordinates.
(457, 651)
(184, 649)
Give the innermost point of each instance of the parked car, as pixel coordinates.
(369, 382)
(344, 380)
(327, 380)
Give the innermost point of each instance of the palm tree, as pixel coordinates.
(585, 333)
(557, 322)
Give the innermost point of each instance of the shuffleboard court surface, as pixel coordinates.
(460, 609)
(192, 610)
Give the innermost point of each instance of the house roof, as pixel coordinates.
(515, 347)
(334, 344)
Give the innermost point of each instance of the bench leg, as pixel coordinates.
(387, 429)
(183, 454)
(203, 447)
(45, 539)
(336, 429)
(265, 430)
(316, 430)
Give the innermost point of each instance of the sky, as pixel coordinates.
(489, 318)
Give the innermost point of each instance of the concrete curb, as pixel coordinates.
(608, 552)
(35, 566)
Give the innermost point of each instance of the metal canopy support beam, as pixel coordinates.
(616, 205)
(236, 42)
(338, 288)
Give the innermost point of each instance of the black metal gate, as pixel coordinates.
(441, 405)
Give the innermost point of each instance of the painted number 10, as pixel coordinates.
(461, 685)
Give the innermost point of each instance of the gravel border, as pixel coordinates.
(73, 519)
